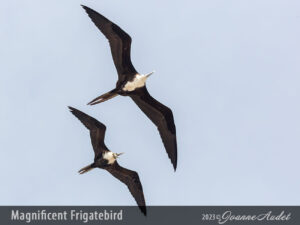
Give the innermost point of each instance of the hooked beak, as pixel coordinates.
(118, 154)
(149, 74)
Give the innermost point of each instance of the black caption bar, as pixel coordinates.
(173, 215)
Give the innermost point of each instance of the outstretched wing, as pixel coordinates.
(132, 180)
(119, 40)
(97, 130)
(162, 117)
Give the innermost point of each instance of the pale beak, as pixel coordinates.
(118, 154)
(149, 74)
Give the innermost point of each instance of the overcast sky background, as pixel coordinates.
(229, 70)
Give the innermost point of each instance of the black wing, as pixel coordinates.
(119, 40)
(132, 180)
(97, 130)
(162, 117)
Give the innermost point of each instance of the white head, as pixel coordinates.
(138, 81)
(111, 157)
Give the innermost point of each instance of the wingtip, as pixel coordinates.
(175, 167)
(143, 210)
(86, 9)
(174, 163)
(74, 111)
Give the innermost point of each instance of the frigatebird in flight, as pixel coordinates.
(131, 83)
(107, 160)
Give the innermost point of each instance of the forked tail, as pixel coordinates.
(86, 169)
(104, 97)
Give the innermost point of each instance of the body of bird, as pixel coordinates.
(104, 160)
(107, 160)
(131, 83)
(138, 82)
(110, 157)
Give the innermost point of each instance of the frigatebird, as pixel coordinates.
(107, 160)
(131, 83)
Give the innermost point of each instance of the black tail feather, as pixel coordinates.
(104, 97)
(86, 169)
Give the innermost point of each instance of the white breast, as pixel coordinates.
(138, 81)
(109, 157)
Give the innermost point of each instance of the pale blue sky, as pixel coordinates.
(229, 70)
